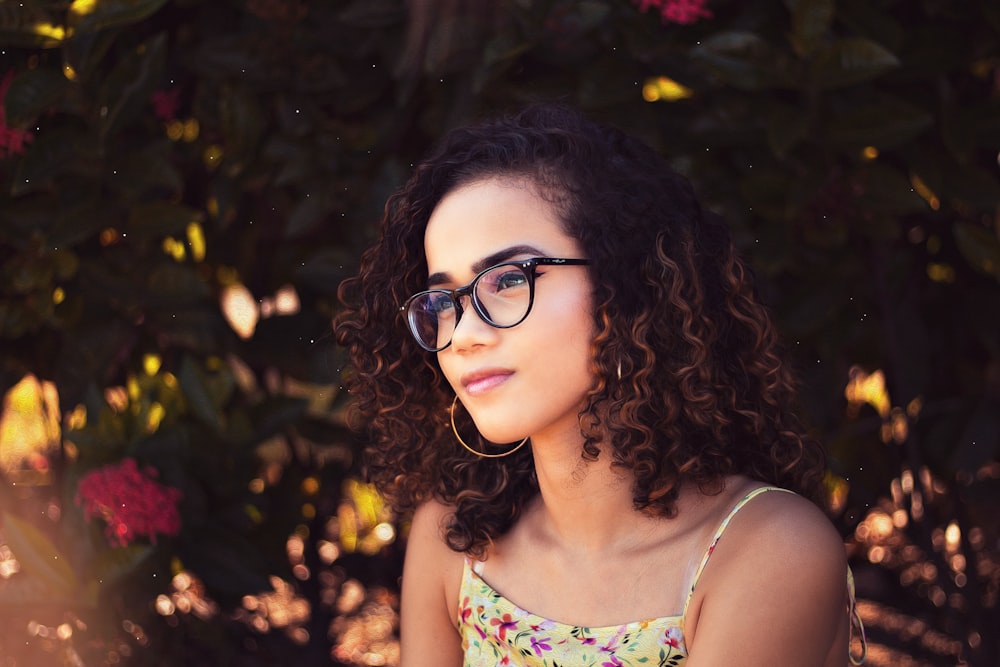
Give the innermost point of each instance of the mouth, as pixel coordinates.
(483, 380)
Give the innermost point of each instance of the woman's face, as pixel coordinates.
(531, 379)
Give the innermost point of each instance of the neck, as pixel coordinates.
(585, 506)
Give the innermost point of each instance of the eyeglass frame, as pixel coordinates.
(528, 266)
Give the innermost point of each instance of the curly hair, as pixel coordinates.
(689, 383)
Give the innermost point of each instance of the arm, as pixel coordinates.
(774, 592)
(431, 576)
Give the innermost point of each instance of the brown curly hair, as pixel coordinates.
(689, 383)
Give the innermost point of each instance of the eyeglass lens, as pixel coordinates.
(501, 296)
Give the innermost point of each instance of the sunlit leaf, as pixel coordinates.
(82, 55)
(38, 555)
(240, 309)
(28, 25)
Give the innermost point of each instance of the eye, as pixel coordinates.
(439, 304)
(508, 279)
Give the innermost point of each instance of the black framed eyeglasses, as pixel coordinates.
(501, 295)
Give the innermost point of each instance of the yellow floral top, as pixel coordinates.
(495, 631)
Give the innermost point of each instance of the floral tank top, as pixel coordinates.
(495, 631)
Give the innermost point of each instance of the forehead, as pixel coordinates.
(480, 218)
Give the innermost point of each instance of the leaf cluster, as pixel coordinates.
(185, 148)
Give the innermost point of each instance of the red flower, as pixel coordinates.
(130, 501)
(684, 12)
(165, 104)
(12, 140)
(505, 623)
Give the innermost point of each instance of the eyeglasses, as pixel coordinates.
(501, 295)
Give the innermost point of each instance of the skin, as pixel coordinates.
(774, 591)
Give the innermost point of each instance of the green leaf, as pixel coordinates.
(172, 285)
(885, 122)
(31, 93)
(811, 19)
(279, 413)
(373, 13)
(199, 397)
(128, 86)
(38, 556)
(228, 563)
(112, 565)
(786, 127)
(979, 442)
(243, 124)
(886, 189)
(157, 219)
(94, 15)
(27, 25)
(307, 215)
(980, 247)
(83, 54)
(48, 156)
(148, 171)
(850, 61)
(744, 60)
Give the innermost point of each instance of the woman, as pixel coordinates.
(550, 283)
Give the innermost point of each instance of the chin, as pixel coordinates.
(501, 437)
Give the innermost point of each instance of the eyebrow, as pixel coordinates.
(498, 257)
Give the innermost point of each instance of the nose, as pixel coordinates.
(471, 330)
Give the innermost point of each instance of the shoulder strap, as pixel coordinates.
(718, 534)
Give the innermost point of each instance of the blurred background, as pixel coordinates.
(184, 183)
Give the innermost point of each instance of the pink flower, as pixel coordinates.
(12, 140)
(131, 502)
(673, 637)
(165, 104)
(684, 12)
(539, 645)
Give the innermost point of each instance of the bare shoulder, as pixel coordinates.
(430, 520)
(791, 521)
(783, 535)
(428, 553)
(780, 565)
(431, 580)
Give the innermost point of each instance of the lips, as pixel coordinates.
(483, 380)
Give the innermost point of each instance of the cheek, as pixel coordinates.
(570, 333)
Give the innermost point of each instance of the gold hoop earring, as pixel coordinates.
(484, 455)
